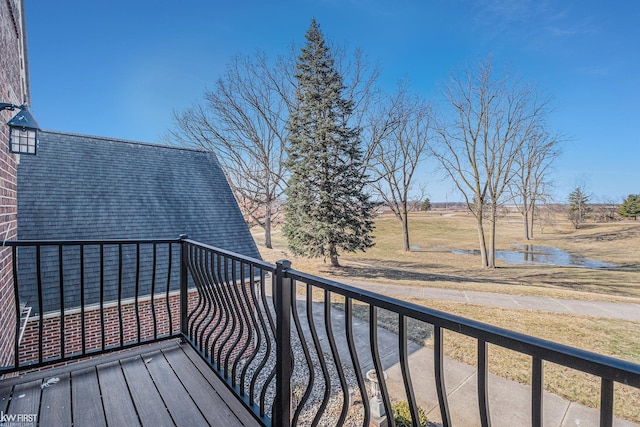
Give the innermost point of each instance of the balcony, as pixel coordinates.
(174, 332)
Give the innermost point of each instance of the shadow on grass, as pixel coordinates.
(405, 271)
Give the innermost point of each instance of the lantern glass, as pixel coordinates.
(23, 140)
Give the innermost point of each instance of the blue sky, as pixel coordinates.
(120, 68)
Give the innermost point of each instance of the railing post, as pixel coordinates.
(281, 415)
(184, 291)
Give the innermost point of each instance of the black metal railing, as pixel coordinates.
(85, 298)
(288, 344)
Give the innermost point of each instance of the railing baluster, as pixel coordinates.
(348, 305)
(537, 390)
(120, 294)
(82, 319)
(307, 356)
(483, 383)
(406, 372)
(438, 356)
(319, 355)
(184, 287)
(606, 403)
(136, 304)
(40, 305)
(377, 363)
(102, 332)
(16, 296)
(154, 265)
(262, 308)
(336, 357)
(61, 288)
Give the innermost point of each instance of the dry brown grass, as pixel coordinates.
(432, 264)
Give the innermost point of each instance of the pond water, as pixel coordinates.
(532, 254)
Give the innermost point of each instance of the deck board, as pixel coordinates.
(179, 403)
(87, 402)
(56, 402)
(118, 407)
(236, 407)
(149, 405)
(161, 385)
(25, 398)
(199, 389)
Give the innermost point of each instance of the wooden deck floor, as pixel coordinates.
(165, 384)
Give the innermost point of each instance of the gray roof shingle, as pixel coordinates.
(87, 187)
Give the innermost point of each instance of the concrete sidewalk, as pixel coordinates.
(611, 310)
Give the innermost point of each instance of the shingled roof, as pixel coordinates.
(87, 187)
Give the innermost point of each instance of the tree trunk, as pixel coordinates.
(333, 256)
(492, 237)
(531, 216)
(405, 228)
(334, 261)
(267, 226)
(483, 243)
(525, 214)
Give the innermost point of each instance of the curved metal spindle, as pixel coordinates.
(336, 357)
(207, 290)
(320, 355)
(265, 334)
(244, 338)
(168, 288)
(221, 327)
(197, 280)
(154, 265)
(438, 357)
(196, 316)
(377, 364)
(235, 300)
(247, 281)
(216, 314)
(406, 372)
(224, 349)
(268, 311)
(308, 359)
(348, 311)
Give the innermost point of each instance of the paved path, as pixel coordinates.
(612, 310)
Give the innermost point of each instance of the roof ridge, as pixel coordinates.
(126, 141)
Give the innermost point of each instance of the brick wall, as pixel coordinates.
(13, 89)
(51, 330)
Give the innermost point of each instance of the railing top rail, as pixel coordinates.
(86, 242)
(583, 360)
(233, 255)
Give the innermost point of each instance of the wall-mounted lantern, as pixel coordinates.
(23, 128)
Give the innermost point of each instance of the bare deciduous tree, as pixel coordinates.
(400, 152)
(493, 115)
(530, 183)
(243, 122)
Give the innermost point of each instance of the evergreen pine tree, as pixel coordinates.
(630, 207)
(327, 209)
(578, 206)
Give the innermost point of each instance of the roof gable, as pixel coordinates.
(86, 187)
